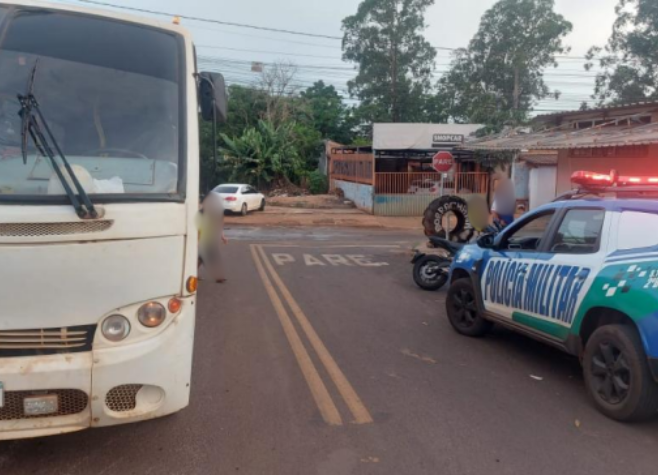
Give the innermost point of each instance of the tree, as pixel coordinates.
(278, 86)
(498, 78)
(395, 62)
(328, 114)
(246, 107)
(263, 154)
(630, 59)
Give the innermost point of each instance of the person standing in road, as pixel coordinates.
(210, 222)
(504, 203)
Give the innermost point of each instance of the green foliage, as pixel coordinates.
(630, 59)
(308, 142)
(498, 78)
(263, 154)
(362, 142)
(317, 183)
(327, 113)
(257, 150)
(245, 108)
(395, 62)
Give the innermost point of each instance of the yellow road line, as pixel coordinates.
(354, 403)
(319, 391)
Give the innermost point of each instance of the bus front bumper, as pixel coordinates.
(108, 386)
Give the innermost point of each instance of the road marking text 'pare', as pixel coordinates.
(329, 260)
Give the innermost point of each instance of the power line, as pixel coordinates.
(263, 28)
(209, 20)
(324, 70)
(269, 38)
(265, 52)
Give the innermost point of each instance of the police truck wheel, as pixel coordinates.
(617, 374)
(244, 210)
(447, 217)
(463, 313)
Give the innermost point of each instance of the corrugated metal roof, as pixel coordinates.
(557, 139)
(620, 107)
(541, 160)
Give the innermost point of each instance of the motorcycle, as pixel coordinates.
(431, 271)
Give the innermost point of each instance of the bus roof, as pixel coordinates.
(170, 26)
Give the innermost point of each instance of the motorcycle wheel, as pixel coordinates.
(431, 272)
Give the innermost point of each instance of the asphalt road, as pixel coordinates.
(321, 357)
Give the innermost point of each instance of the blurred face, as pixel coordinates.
(212, 204)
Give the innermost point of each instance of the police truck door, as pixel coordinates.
(573, 256)
(506, 273)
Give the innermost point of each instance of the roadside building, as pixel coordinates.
(396, 177)
(623, 138)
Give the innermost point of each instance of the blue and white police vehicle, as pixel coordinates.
(580, 274)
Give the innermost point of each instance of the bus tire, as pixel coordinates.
(434, 215)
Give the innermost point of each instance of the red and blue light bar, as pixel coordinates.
(594, 179)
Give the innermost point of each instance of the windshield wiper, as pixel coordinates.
(30, 127)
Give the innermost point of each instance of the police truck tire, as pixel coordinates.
(463, 312)
(438, 209)
(617, 374)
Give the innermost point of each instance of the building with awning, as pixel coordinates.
(623, 138)
(395, 176)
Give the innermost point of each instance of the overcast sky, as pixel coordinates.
(450, 24)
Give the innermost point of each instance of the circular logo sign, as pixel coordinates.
(442, 162)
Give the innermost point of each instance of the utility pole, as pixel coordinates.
(517, 88)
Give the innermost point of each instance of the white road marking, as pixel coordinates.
(349, 260)
(337, 260)
(309, 260)
(365, 261)
(281, 259)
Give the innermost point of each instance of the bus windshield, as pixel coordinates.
(112, 101)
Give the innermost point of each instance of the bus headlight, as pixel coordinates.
(151, 314)
(115, 328)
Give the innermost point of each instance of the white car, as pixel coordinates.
(240, 198)
(423, 187)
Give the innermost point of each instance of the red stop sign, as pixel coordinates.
(442, 162)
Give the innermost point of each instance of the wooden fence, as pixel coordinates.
(354, 167)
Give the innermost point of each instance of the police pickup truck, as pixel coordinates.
(580, 274)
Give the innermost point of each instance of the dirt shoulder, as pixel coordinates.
(295, 217)
(310, 202)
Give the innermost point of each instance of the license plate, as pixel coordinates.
(2, 395)
(40, 405)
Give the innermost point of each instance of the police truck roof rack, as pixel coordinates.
(598, 184)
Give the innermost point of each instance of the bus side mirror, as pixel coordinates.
(213, 97)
